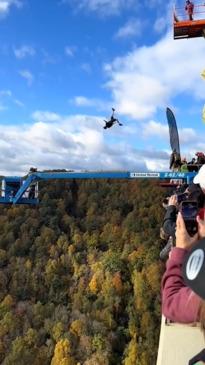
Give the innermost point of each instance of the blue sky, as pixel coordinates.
(65, 63)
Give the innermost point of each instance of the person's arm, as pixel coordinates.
(171, 213)
(169, 221)
(179, 303)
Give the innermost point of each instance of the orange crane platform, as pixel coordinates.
(184, 28)
(189, 29)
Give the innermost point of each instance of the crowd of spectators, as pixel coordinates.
(178, 163)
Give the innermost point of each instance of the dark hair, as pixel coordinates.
(199, 196)
(196, 193)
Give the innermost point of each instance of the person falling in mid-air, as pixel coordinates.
(112, 121)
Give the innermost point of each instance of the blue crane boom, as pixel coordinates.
(24, 190)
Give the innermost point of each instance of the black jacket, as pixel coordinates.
(196, 193)
(169, 222)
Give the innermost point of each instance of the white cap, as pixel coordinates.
(200, 177)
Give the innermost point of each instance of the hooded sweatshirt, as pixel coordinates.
(179, 303)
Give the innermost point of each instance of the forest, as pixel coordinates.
(80, 275)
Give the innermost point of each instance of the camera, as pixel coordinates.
(181, 197)
(189, 211)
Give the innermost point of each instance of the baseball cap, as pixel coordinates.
(200, 177)
(193, 269)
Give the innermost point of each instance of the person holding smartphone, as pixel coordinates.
(193, 192)
(183, 289)
(179, 302)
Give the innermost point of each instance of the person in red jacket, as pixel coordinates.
(193, 271)
(189, 7)
(179, 302)
(183, 289)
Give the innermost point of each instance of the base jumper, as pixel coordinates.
(112, 121)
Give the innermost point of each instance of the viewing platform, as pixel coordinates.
(185, 28)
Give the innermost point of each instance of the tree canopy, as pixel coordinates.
(80, 275)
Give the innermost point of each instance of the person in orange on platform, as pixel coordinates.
(189, 7)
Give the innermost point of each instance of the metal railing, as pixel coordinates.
(180, 14)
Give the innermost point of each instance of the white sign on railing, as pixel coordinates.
(144, 174)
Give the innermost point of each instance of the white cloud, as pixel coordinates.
(72, 142)
(86, 102)
(48, 59)
(70, 51)
(19, 103)
(102, 7)
(24, 51)
(86, 67)
(159, 130)
(164, 17)
(80, 142)
(188, 136)
(5, 6)
(132, 28)
(2, 107)
(160, 24)
(27, 75)
(82, 101)
(190, 141)
(7, 97)
(4, 93)
(149, 77)
(45, 116)
(155, 129)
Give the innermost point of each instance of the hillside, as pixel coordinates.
(80, 275)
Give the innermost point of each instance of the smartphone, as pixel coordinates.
(182, 197)
(189, 211)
